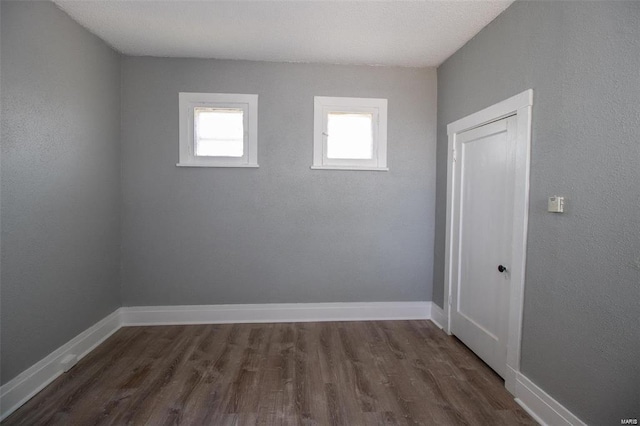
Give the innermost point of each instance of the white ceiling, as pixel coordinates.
(404, 33)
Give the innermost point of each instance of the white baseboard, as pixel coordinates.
(274, 312)
(541, 406)
(31, 381)
(437, 315)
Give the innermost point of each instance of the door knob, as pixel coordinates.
(501, 268)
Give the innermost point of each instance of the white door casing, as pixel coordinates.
(519, 107)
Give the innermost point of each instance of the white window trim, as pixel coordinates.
(325, 104)
(187, 103)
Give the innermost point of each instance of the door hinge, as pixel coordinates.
(455, 156)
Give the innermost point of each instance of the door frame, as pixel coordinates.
(521, 106)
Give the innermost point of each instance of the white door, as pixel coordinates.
(482, 238)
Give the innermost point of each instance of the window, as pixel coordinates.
(218, 130)
(350, 133)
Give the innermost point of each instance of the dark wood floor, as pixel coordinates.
(340, 373)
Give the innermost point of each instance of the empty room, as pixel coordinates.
(319, 212)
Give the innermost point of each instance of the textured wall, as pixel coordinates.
(283, 232)
(581, 338)
(60, 182)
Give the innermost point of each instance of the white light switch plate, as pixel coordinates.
(556, 204)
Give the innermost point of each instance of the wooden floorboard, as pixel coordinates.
(328, 373)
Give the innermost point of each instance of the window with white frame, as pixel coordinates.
(350, 133)
(218, 130)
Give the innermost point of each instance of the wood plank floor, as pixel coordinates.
(330, 373)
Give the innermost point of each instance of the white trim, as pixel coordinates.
(520, 106)
(187, 101)
(31, 381)
(494, 112)
(255, 166)
(373, 169)
(274, 312)
(323, 105)
(541, 406)
(437, 315)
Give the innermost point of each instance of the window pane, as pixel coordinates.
(350, 136)
(219, 132)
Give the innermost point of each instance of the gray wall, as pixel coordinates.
(283, 232)
(581, 338)
(60, 182)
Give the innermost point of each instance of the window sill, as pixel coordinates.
(255, 166)
(371, 169)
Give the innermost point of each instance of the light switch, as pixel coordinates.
(556, 204)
